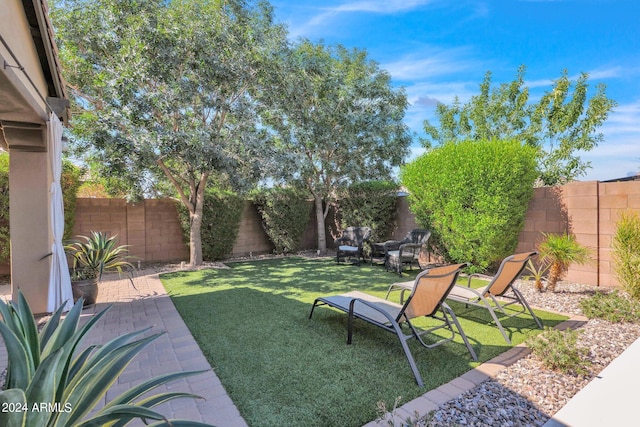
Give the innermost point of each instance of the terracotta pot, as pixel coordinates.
(87, 289)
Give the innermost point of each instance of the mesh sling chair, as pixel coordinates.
(408, 250)
(503, 282)
(427, 298)
(351, 243)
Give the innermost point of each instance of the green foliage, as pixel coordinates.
(163, 91)
(337, 120)
(97, 254)
(285, 215)
(611, 307)
(70, 183)
(47, 367)
(562, 123)
(4, 208)
(473, 196)
(221, 215)
(626, 252)
(559, 350)
(369, 204)
(560, 251)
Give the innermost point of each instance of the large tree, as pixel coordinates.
(560, 125)
(337, 120)
(163, 91)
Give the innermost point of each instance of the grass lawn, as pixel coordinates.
(283, 369)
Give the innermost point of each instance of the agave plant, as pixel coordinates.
(51, 383)
(560, 251)
(96, 254)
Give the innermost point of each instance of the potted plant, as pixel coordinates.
(93, 256)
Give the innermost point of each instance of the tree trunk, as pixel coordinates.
(195, 239)
(554, 276)
(322, 237)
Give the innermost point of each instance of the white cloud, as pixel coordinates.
(619, 154)
(380, 6)
(430, 63)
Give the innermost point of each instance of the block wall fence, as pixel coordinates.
(589, 210)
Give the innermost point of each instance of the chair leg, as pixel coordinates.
(524, 303)
(495, 319)
(448, 309)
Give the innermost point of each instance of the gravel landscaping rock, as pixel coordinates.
(527, 393)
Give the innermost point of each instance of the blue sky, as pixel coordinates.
(438, 49)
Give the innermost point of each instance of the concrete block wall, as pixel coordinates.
(151, 227)
(589, 210)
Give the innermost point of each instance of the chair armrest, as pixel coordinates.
(409, 245)
(475, 275)
(391, 245)
(339, 240)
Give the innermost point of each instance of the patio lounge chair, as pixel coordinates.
(408, 251)
(493, 297)
(351, 244)
(427, 298)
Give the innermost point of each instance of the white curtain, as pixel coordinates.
(59, 280)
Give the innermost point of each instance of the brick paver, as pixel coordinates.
(148, 305)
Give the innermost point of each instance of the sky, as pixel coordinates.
(439, 49)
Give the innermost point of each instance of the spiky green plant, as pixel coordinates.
(96, 254)
(537, 273)
(626, 252)
(560, 251)
(51, 383)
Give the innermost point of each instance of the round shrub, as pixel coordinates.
(473, 196)
(221, 215)
(369, 204)
(285, 216)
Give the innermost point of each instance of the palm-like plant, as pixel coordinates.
(50, 383)
(96, 254)
(560, 251)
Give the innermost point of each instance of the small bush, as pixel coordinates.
(611, 307)
(473, 196)
(626, 252)
(221, 215)
(558, 350)
(369, 204)
(285, 215)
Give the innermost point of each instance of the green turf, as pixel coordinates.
(283, 369)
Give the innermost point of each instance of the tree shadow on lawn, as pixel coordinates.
(281, 368)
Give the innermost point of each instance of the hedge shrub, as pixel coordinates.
(285, 215)
(70, 182)
(369, 204)
(4, 207)
(473, 196)
(221, 215)
(626, 252)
